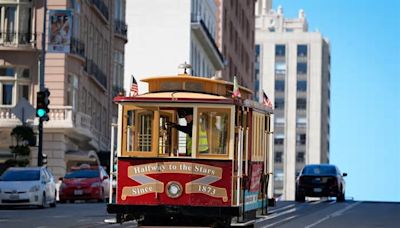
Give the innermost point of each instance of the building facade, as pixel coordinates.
(293, 67)
(168, 33)
(237, 41)
(82, 79)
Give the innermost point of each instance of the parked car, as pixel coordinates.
(320, 180)
(28, 186)
(85, 183)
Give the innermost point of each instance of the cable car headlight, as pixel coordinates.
(174, 189)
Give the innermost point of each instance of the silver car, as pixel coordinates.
(27, 186)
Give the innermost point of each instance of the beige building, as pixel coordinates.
(82, 81)
(293, 68)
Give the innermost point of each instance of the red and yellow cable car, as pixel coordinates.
(190, 152)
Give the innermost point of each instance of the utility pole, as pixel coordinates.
(41, 82)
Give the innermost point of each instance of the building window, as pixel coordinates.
(301, 121)
(301, 139)
(278, 157)
(82, 95)
(7, 72)
(300, 157)
(279, 103)
(280, 85)
(23, 92)
(279, 139)
(280, 121)
(301, 103)
(26, 74)
(72, 91)
(280, 50)
(7, 94)
(118, 79)
(14, 84)
(301, 86)
(301, 68)
(280, 68)
(278, 176)
(301, 50)
(14, 31)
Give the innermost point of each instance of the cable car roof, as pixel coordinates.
(184, 88)
(176, 97)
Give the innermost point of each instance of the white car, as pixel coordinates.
(27, 186)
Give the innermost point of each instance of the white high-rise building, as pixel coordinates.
(164, 34)
(293, 68)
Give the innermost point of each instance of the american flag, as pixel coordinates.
(134, 87)
(266, 101)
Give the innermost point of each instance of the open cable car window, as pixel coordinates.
(213, 131)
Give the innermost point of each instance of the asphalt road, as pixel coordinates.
(84, 215)
(329, 213)
(321, 213)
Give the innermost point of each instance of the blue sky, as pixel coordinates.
(365, 90)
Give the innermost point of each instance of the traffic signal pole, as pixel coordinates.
(41, 82)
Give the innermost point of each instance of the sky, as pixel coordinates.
(365, 90)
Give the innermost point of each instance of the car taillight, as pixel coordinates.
(332, 182)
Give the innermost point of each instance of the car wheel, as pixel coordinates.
(54, 203)
(340, 197)
(101, 199)
(43, 205)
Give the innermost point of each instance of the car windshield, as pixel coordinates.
(21, 175)
(319, 170)
(87, 173)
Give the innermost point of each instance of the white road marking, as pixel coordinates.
(337, 213)
(279, 214)
(283, 220)
(282, 208)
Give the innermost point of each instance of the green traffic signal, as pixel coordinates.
(42, 103)
(41, 112)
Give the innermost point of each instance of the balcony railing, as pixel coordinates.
(94, 70)
(14, 39)
(121, 28)
(77, 47)
(77, 125)
(101, 7)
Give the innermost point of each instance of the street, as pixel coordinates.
(320, 213)
(64, 215)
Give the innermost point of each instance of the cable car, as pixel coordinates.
(191, 151)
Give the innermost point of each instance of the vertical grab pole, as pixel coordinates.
(112, 172)
(239, 172)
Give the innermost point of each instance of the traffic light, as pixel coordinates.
(42, 103)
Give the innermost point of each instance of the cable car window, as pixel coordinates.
(130, 129)
(139, 130)
(165, 134)
(145, 126)
(213, 131)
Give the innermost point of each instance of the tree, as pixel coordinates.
(24, 137)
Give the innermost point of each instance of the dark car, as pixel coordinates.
(85, 184)
(320, 180)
